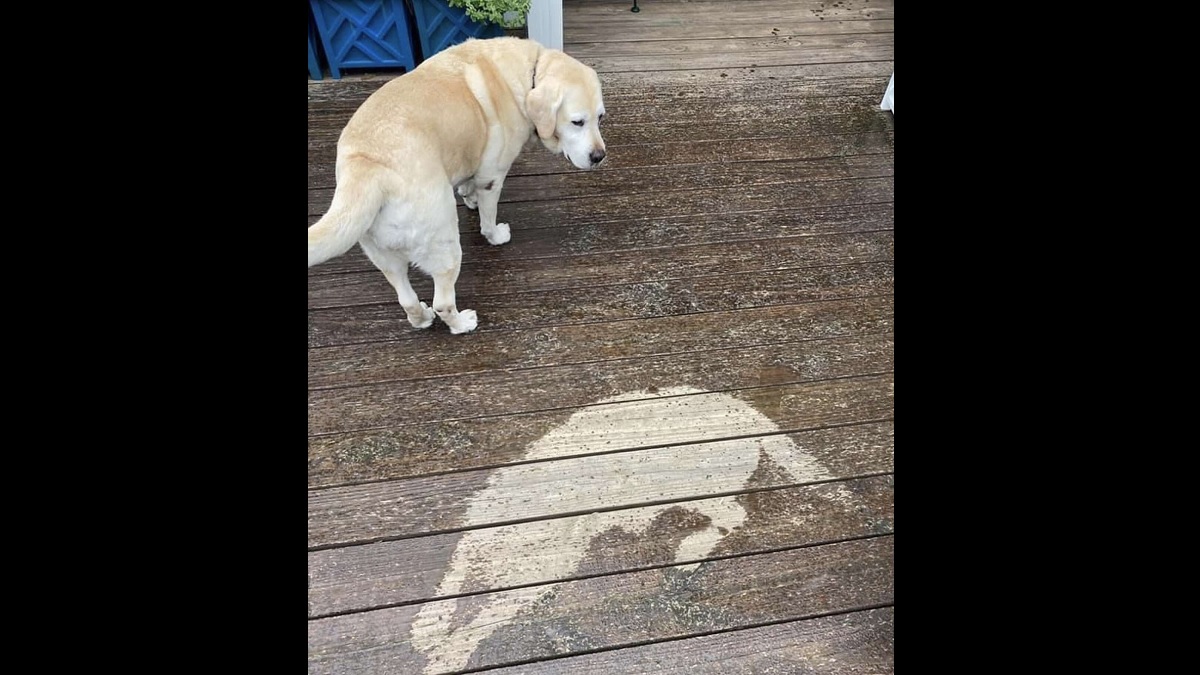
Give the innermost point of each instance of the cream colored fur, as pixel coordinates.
(456, 122)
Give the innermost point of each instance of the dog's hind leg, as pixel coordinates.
(442, 260)
(395, 267)
(444, 301)
(487, 191)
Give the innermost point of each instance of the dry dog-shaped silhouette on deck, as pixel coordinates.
(449, 631)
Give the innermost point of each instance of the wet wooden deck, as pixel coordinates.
(668, 447)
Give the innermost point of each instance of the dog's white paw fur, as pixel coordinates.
(424, 319)
(501, 234)
(465, 322)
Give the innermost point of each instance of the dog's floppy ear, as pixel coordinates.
(541, 105)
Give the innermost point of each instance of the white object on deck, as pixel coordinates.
(546, 23)
(889, 102)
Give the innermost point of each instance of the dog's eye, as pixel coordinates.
(577, 123)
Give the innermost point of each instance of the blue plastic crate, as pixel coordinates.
(364, 34)
(314, 64)
(440, 26)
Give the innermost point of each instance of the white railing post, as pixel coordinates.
(546, 23)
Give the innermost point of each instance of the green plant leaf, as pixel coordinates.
(495, 11)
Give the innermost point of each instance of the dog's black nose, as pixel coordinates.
(596, 157)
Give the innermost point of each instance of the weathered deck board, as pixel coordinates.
(719, 119)
(341, 284)
(734, 53)
(372, 576)
(385, 322)
(609, 29)
(623, 206)
(624, 120)
(580, 184)
(765, 213)
(703, 11)
(613, 22)
(491, 274)
(414, 448)
(534, 160)
(854, 643)
(588, 344)
(776, 49)
(607, 611)
(484, 394)
(807, 81)
(657, 232)
(572, 484)
(542, 347)
(756, 145)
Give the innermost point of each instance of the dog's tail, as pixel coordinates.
(356, 202)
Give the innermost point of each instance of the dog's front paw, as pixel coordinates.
(500, 234)
(465, 322)
(422, 318)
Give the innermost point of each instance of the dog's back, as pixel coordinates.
(425, 125)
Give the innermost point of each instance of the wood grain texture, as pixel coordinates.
(654, 109)
(490, 272)
(411, 448)
(797, 81)
(682, 202)
(751, 216)
(578, 344)
(658, 233)
(494, 393)
(725, 118)
(582, 484)
(383, 322)
(371, 576)
(781, 24)
(535, 161)
(794, 81)
(854, 643)
(543, 347)
(735, 53)
(776, 49)
(708, 10)
(609, 24)
(609, 611)
(578, 184)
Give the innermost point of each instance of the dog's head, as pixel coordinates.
(566, 109)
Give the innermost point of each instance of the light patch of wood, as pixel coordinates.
(854, 643)
(619, 610)
(487, 557)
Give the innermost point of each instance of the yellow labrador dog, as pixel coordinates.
(455, 122)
